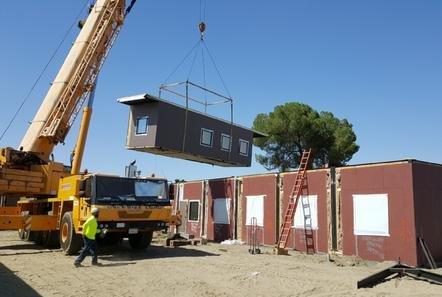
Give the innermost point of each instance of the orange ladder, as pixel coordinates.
(286, 227)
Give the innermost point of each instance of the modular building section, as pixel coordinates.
(427, 192)
(258, 200)
(164, 128)
(315, 196)
(374, 211)
(377, 211)
(191, 204)
(221, 219)
(387, 207)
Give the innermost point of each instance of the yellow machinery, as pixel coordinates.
(56, 200)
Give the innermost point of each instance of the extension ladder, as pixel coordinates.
(298, 186)
(308, 226)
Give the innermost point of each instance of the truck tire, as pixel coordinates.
(38, 237)
(44, 238)
(54, 241)
(70, 241)
(140, 241)
(50, 239)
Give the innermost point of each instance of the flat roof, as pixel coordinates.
(392, 162)
(145, 98)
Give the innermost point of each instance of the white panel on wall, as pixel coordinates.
(221, 210)
(180, 192)
(370, 214)
(299, 214)
(255, 208)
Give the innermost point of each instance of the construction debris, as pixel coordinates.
(178, 239)
(400, 270)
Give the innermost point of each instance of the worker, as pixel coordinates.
(90, 230)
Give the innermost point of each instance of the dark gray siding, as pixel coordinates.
(168, 135)
(136, 141)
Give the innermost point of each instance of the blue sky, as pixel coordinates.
(376, 63)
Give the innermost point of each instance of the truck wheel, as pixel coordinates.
(50, 239)
(44, 238)
(70, 241)
(37, 237)
(54, 241)
(140, 241)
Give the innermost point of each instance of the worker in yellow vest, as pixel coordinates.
(90, 230)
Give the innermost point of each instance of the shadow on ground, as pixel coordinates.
(111, 252)
(13, 286)
(24, 249)
(123, 252)
(105, 265)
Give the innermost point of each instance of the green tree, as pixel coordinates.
(293, 127)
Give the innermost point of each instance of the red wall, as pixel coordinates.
(194, 191)
(220, 188)
(261, 185)
(317, 185)
(427, 181)
(396, 181)
(414, 192)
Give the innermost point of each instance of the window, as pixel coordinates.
(150, 189)
(255, 209)
(370, 214)
(243, 147)
(194, 207)
(141, 125)
(221, 210)
(226, 144)
(302, 213)
(206, 137)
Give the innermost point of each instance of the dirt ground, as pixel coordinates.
(209, 270)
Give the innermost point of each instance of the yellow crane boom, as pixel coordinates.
(75, 80)
(29, 170)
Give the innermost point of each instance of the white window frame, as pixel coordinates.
(248, 147)
(201, 137)
(188, 212)
(230, 142)
(147, 125)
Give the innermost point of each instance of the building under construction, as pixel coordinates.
(380, 211)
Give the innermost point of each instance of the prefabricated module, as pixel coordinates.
(164, 128)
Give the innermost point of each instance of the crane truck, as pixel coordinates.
(55, 200)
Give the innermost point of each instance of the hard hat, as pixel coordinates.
(95, 210)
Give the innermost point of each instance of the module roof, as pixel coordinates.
(144, 98)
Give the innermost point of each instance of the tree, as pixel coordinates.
(293, 127)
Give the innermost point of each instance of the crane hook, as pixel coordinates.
(202, 27)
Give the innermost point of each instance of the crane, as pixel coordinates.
(56, 199)
(70, 89)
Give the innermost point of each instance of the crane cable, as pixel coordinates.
(202, 28)
(201, 42)
(129, 7)
(86, 4)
